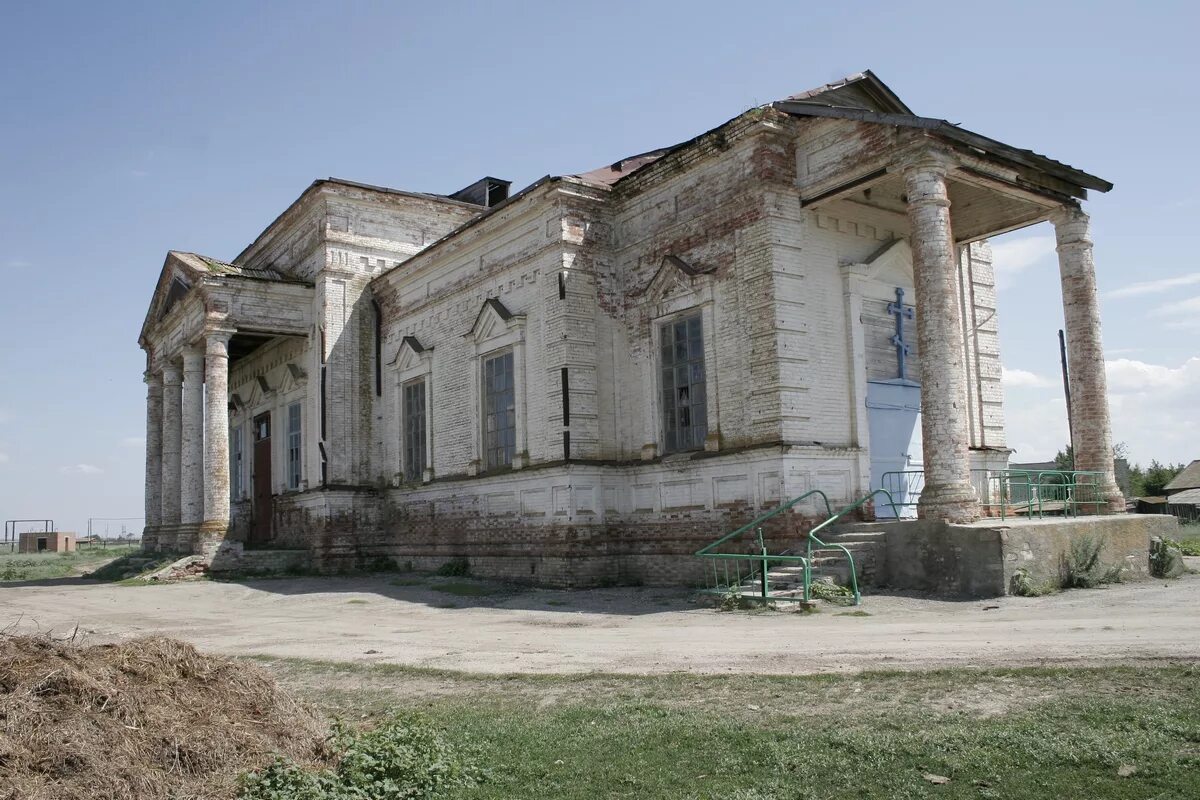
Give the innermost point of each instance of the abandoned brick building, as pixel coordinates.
(589, 379)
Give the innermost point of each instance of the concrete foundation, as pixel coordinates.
(981, 559)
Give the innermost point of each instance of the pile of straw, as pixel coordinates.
(147, 718)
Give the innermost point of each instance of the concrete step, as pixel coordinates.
(846, 537)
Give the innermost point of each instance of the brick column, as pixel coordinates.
(191, 510)
(154, 454)
(171, 378)
(948, 494)
(216, 434)
(1091, 430)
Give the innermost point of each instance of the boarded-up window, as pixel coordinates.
(414, 430)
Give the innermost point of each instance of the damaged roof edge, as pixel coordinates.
(471, 223)
(320, 182)
(958, 134)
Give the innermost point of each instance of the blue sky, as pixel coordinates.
(127, 129)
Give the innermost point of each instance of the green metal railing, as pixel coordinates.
(1031, 493)
(758, 564)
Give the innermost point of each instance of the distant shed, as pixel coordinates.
(47, 542)
(1185, 505)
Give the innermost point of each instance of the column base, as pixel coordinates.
(212, 530)
(150, 538)
(955, 502)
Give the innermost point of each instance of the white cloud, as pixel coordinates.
(1153, 409)
(1020, 378)
(1180, 307)
(80, 469)
(1155, 287)
(1011, 256)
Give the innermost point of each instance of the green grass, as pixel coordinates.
(1033, 733)
(408, 582)
(1189, 539)
(45, 566)
(358, 601)
(465, 589)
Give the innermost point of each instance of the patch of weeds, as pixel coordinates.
(464, 589)
(557, 603)
(455, 568)
(358, 601)
(446, 604)
(736, 600)
(406, 756)
(1023, 585)
(853, 614)
(407, 582)
(1166, 558)
(830, 592)
(1082, 567)
(1189, 547)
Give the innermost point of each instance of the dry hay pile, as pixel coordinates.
(148, 718)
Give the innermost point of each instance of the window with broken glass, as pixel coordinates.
(500, 411)
(293, 446)
(685, 414)
(414, 430)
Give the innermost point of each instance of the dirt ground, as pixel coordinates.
(480, 627)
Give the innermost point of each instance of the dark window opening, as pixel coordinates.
(685, 411)
(566, 445)
(500, 411)
(414, 430)
(562, 287)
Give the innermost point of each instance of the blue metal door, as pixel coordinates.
(894, 419)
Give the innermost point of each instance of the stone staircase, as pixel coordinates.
(866, 542)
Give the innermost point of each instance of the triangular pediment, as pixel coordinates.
(862, 90)
(891, 264)
(177, 277)
(409, 354)
(675, 277)
(493, 319)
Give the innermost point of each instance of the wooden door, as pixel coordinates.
(260, 529)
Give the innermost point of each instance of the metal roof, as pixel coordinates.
(1188, 478)
(1188, 497)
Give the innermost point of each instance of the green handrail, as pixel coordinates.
(707, 550)
(812, 537)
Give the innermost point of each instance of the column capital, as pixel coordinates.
(152, 378)
(925, 183)
(171, 374)
(1072, 226)
(193, 357)
(216, 341)
(926, 159)
(222, 333)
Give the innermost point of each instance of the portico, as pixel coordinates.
(202, 310)
(955, 188)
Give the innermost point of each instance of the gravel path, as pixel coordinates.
(405, 620)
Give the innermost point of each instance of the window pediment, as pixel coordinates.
(494, 321)
(411, 354)
(678, 285)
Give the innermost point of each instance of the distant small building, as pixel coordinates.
(1185, 505)
(46, 542)
(1186, 480)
